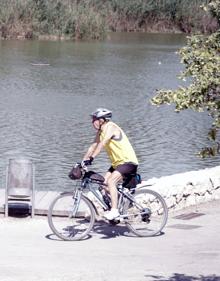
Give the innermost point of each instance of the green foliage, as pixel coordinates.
(184, 15)
(76, 19)
(215, 9)
(201, 57)
(89, 23)
(92, 18)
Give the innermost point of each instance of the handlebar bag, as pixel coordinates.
(75, 173)
(94, 176)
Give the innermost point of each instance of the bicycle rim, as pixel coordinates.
(67, 225)
(150, 219)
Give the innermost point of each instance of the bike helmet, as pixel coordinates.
(102, 113)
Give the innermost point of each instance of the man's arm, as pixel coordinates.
(92, 147)
(108, 133)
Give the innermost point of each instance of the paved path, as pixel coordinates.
(189, 250)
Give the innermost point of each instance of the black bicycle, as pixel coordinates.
(72, 215)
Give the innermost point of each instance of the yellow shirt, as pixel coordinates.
(119, 149)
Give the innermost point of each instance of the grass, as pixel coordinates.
(91, 19)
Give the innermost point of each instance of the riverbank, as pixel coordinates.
(89, 19)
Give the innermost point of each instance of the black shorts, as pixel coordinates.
(125, 169)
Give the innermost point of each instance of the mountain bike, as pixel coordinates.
(72, 215)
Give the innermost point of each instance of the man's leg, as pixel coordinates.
(113, 179)
(107, 176)
(112, 182)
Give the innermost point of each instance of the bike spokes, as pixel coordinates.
(147, 215)
(70, 219)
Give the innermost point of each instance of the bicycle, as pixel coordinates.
(71, 215)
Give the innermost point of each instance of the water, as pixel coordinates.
(48, 89)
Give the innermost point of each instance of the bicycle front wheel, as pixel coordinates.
(147, 215)
(69, 219)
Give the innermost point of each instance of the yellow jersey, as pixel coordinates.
(119, 149)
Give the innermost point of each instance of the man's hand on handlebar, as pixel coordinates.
(87, 162)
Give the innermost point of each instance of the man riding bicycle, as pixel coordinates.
(122, 156)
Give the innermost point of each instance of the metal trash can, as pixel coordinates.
(20, 183)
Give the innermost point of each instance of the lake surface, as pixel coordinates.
(44, 109)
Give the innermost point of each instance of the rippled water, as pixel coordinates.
(44, 109)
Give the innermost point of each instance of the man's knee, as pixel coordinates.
(111, 182)
(114, 179)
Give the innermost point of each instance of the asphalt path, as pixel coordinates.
(189, 249)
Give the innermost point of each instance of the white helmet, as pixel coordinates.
(102, 113)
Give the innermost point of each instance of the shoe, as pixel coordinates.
(111, 215)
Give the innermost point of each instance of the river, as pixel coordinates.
(48, 90)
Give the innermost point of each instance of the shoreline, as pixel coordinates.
(87, 19)
(23, 37)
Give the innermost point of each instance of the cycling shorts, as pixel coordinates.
(125, 169)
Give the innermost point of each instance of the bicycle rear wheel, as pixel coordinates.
(147, 215)
(68, 220)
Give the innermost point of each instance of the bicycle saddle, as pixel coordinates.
(131, 180)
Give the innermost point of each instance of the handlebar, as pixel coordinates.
(82, 166)
(78, 170)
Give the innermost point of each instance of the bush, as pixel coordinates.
(93, 18)
(201, 57)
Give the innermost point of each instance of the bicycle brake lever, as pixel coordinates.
(84, 167)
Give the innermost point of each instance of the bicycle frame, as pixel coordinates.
(127, 196)
(88, 184)
(98, 197)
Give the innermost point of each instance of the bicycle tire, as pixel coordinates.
(62, 222)
(151, 219)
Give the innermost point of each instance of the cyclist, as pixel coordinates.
(122, 156)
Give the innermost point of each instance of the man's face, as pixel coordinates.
(96, 123)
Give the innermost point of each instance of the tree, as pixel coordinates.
(201, 57)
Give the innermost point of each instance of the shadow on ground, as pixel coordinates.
(108, 231)
(183, 277)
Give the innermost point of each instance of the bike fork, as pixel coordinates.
(76, 201)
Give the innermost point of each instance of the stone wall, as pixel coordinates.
(187, 189)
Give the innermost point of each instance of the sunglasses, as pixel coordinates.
(94, 119)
